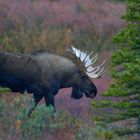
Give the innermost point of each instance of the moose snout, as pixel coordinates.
(91, 94)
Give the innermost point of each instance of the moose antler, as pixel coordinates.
(87, 59)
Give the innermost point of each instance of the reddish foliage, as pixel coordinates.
(102, 15)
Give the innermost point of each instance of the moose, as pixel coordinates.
(44, 73)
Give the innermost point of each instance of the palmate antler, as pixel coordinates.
(88, 61)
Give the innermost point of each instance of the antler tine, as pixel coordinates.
(85, 57)
(100, 73)
(92, 60)
(96, 74)
(76, 51)
(91, 69)
(73, 49)
(95, 70)
(88, 60)
(81, 55)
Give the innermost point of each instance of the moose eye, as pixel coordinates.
(84, 76)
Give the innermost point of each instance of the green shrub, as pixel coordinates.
(44, 123)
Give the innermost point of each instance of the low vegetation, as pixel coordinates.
(44, 124)
(26, 26)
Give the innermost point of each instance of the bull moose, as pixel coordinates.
(44, 73)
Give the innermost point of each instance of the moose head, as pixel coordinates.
(87, 72)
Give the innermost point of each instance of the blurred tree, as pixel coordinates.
(125, 69)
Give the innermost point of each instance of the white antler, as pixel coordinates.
(88, 61)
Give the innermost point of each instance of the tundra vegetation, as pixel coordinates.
(27, 26)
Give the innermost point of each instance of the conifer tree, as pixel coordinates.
(125, 69)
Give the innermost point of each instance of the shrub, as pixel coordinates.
(43, 123)
(32, 25)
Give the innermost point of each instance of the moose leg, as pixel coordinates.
(49, 100)
(34, 101)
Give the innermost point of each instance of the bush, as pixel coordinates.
(44, 123)
(46, 26)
